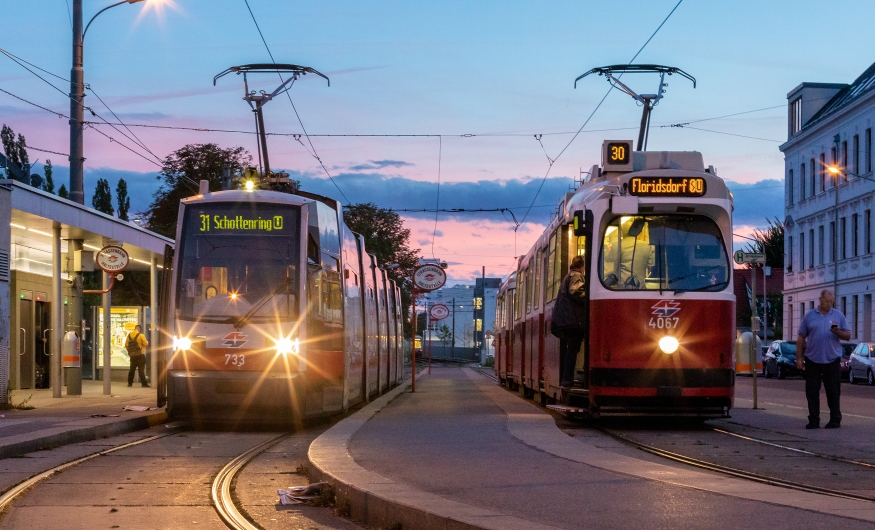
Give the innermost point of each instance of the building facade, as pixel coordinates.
(485, 295)
(829, 191)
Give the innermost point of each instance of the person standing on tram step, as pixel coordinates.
(818, 342)
(136, 345)
(569, 320)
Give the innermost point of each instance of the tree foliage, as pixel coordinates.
(102, 198)
(181, 173)
(445, 334)
(122, 199)
(386, 238)
(16, 155)
(63, 193)
(772, 240)
(48, 182)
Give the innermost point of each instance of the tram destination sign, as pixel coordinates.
(238, 223)
(112, 259)
(667, 186)
(429, 277)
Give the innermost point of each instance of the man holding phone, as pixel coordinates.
(818, 342)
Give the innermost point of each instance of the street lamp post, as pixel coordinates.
(835, 171)
(77, 100)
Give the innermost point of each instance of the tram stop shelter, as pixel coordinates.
(46, 242)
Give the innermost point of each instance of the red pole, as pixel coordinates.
(413, 336)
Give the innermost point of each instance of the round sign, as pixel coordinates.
(429, 278)
(112, 259)
(439, 312)
(739, 257)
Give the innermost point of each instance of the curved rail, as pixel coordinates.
(794, 449)
(221, 489)
(738, 473)
(12, 493)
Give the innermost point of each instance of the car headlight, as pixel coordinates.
(668, 344)
(181, 343)
(287, 345)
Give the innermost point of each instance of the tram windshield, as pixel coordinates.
(671, 252)
(238, 261)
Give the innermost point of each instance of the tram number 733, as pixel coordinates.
(236, 359)
(664, 322)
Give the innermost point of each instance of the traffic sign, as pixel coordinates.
(439, 312)
(112, 259)
(429, 277)
(749, 257)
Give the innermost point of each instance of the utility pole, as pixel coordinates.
(77, 95)
(453, 351)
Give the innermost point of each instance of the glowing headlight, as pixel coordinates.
(286, 346)
(668, 344)
(183, 343)
(250, 185)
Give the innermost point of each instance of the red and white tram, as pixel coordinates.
(655, 229)
(277, 312)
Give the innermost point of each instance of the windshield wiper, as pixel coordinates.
(240, 322)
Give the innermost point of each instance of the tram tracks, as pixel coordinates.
(732, 471)
(221, 491)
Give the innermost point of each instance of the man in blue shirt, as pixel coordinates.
(818, 341)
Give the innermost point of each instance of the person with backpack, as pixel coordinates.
(136, 345)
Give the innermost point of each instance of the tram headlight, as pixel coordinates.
(181, 343)
(668, 344)
(287, 345)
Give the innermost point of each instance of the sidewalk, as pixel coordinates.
(464, 453)
(53, 422)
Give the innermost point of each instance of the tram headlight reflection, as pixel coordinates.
(181, 343)
(668, 344)
(287, 345)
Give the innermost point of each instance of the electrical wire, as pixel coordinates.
(313, 153)
(550, 167)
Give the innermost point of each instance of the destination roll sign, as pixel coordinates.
(225, 223)
(667, 186)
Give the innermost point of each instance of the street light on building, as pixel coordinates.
(77, 98)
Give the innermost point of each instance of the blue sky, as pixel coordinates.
(487, 76)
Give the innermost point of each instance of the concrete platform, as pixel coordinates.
(53, 422)
(464, 453)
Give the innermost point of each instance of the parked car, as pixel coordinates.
(780, 359)
(847, 349)
(862, 364)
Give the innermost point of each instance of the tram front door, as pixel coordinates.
(34, 351)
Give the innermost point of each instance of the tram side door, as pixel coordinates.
(582, 229)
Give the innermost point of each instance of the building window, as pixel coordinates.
(845, 160)
(820, 245)
(802, 182)
(478, 303)
(867, 230)
(843, 230)
(832, 241)
(802, 310)
(822, 172)
(855, 233)
(857, 154)
(790, 187)
(478, 324)
(802, 251)
(811, 173)
(795, 116)
(790, 254)
(868, 150)
(844, 305)
(855, 300)
(811, 248)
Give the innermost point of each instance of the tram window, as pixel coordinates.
(529, 288)
(551, 267)
(536, 285)
(663, 253)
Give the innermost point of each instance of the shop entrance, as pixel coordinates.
(34, 352)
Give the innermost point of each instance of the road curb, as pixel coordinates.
(82, 434)
(379, 501)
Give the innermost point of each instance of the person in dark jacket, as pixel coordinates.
(569, 320)
(136, 344)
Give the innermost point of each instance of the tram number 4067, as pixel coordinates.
(235, 359)
(664, 322)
